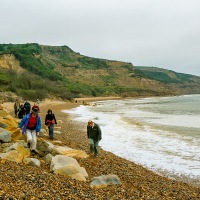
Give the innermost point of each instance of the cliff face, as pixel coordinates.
(9, 62)
(183, 83)
(83, 75)
(103, 73)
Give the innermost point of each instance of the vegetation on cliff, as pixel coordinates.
(61, 72)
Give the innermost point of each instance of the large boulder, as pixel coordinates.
(48, 157)
(68, 166)
(16, 134)
(104, 181)
(10, 124)
(3, 112)
(16, 152)
(5, 146)
(45, 146)
(65, 150)
(5, 136)
(32, 161)
(9, 121)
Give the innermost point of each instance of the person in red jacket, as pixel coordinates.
(36, 106)
(31, 124)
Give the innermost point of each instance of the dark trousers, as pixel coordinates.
(16, 111)
(51, 131)
(94, 146)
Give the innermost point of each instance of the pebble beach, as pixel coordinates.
(19, 181)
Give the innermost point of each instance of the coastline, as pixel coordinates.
(137, 181)
(81, 128)
(97, 98)
(184, 178)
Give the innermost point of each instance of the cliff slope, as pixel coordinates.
(61, 72)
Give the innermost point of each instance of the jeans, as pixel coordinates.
(31, 138)
(94, 146)
(51, 131)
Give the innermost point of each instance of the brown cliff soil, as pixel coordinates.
(18, 181)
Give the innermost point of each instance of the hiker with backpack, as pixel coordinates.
(22, 112)
(50, 120)
(27, 107)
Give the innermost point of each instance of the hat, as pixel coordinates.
(35, 110)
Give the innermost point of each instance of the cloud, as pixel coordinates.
(145, 32)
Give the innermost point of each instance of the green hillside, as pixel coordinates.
(39, 71)
(166, 76)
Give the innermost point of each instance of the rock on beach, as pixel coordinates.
(21, 181)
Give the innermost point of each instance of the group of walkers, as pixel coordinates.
(31, 125)
(23, 109)
(20, 110)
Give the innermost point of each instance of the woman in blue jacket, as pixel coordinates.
(31, 124)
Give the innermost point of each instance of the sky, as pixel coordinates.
(158, 33)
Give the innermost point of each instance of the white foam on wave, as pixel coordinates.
(155, 149)
(165, 119)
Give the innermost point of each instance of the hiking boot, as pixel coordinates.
(96, 155)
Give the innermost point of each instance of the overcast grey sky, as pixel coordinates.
(159, 33)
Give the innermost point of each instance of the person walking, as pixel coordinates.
(16, 107)
(38, 102)
(22, 112)
(31, 124)
(36, 106)
(50, 120)
(94, 136)
(27, 107)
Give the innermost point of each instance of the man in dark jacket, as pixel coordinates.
(22, 112)
(27, 107)
(94, 136)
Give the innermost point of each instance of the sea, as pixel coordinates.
(159, 133)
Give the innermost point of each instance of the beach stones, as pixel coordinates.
(24, 181)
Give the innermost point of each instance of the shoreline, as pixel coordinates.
(137, 181)
(62, 105)
(93, 99)
(168, 174)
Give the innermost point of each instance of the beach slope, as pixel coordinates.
(20, 181)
